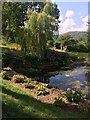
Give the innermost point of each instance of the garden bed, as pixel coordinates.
(50, 97)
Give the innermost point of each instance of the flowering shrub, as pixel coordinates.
(73, 95)
(4, 75)
(18, 78)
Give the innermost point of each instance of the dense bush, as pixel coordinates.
(57, 45)
(18, 78)
(72, 42)
(4, 75)
(30, 60)
(50, 43)
(16, 63)
(62, 58)
(77, 48)
(73, 95)
(74, 57)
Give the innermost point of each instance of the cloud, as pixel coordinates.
(85, 23)
(69, 14)
(85, 20)
(61, 18)
(69, 23)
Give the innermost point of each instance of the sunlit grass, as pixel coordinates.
(58, 50)
(80, 55)
(14, 46)
(19, 104)
(5, 44)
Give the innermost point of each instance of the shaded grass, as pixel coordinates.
(19, 104)
(80, 55)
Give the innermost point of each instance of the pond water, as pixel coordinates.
(78, 77)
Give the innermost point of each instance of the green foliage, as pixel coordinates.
(73, 95)
(18, 78)
(50, 43)
(73, 57)
(57, 44)
(81, 46)
(28, 80)
(30, 60)
(41, 90)
(18, 103)
(59, 102)
(4, 75)
(41, 24)
(51, 9)
(78, 56)
(17, 61)
(64, 41)
(27, 85)
(64, 61)
(73, 41)
(13, 17)
(41, 93)
(39, 28)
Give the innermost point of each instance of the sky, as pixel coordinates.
(73, 16)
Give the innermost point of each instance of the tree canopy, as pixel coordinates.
(39, 27)
(30, 24)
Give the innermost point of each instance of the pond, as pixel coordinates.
(77, 77)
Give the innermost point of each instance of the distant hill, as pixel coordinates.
(77, 34)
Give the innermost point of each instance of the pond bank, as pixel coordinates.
(49, 98)
(77, 77)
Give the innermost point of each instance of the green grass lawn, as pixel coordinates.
(80, 55)
(15, 46)
(18, 104)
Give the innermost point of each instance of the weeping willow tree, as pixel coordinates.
(39, 27)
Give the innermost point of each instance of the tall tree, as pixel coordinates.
(39, 27)
(66, 40)
(30, 25)
(13, 18)
(52, 10)
(14, 15)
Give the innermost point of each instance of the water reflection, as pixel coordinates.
(78, 77)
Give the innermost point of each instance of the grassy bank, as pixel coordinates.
(31, 67)
(80, 55)
(19, 104)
